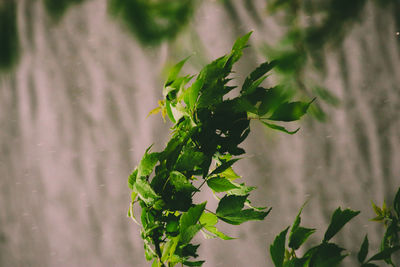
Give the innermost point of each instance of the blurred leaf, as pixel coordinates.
(277, 249)
(385, 254)
(290, 111)
(396, 203)
(257, 74)
(338, 220)
(279, 128)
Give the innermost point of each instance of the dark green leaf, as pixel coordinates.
(256, 74)
(396, 203)
(193, 263)
(362, 254)
(299, 236)
(271, 99)
(188, 233)
(230, 204)
(224, 166)
(181, 183)
(327, 255)
(277, 249)
(338, 220)
(385, 254)
(279, 128)
(245, 215)
(219, 184)
(292, 111)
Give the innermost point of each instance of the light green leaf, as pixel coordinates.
(292, 111)
(146, 193)
(132, 178)
(174, 72)
(224, 166)
(208, 219)
(219, 184)
(188, 222)
(147, 163)
(215, 231)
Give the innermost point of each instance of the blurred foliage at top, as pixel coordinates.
(153, 21)
(8, 35)
(311, 27)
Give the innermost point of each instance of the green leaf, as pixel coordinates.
(242, 190)
(338, 220)
(327, 255)
(174, 72)
(146, 193)
(279, 128)
(362, 254)
(219, 184)
(271, 99)
(229, 174)
(208, 219)
(215, 231)
(292, 111)
(147, 163)
(369, 265)
(194, 90)
(385, 254)
(242, 216)
(169, 111)
(239, 45)
(277, 249)
(180, 182)
(188, 222)
(230, 204)
(224, 166)
(257, 74)
(169, 248)
(132, 178)
(299, 236)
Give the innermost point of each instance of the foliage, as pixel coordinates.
(330, 254)
(57, 8)
(153, 21)
(9, 48)
(208, 129)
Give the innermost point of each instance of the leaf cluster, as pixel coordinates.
(208, 129)
(328, 253)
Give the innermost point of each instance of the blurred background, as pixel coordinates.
(78, 78)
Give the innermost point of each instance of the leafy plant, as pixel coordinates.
(330, 254)
(208, 129)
